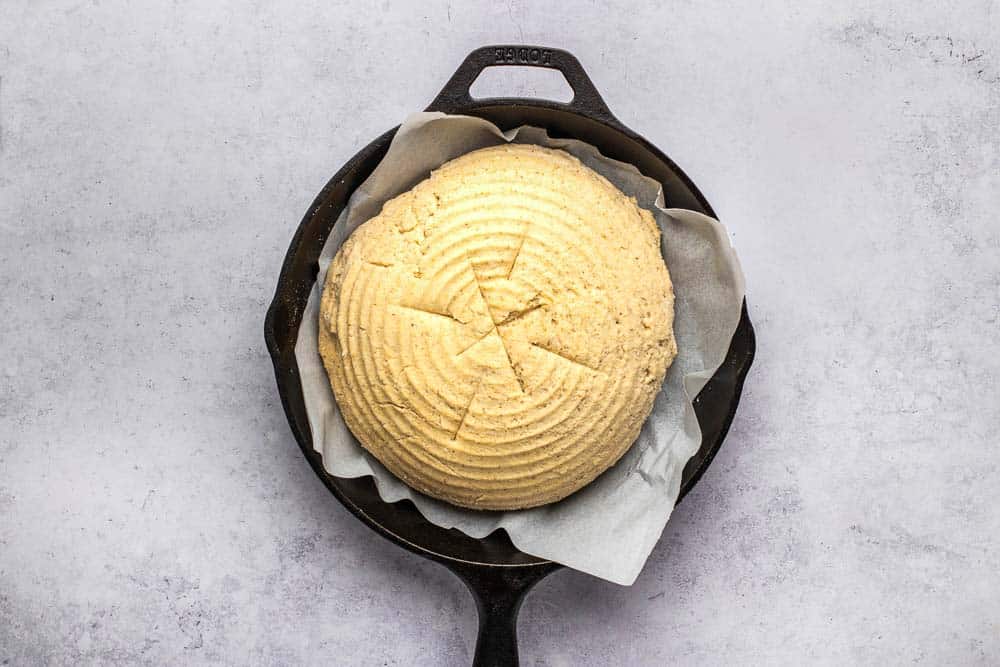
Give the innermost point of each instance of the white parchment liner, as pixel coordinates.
(608, 528)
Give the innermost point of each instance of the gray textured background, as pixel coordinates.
(154, 163)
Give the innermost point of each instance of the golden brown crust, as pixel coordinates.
(496, 335)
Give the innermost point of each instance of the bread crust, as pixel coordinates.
(496, 336)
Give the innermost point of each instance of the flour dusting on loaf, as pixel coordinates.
(496, 335)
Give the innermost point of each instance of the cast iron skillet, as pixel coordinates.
(498, 574)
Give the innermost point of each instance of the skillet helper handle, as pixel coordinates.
(499, 593)
(455, 97)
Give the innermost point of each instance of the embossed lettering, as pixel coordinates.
(524, 55)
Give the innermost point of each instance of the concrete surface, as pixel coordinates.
(154, 162)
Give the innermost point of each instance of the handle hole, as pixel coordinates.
(508, 81)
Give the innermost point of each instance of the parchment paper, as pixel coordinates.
(608, 528)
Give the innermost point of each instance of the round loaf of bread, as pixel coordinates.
(496, 335)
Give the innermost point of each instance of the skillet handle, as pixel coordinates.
(454, 97)
(499, 592)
